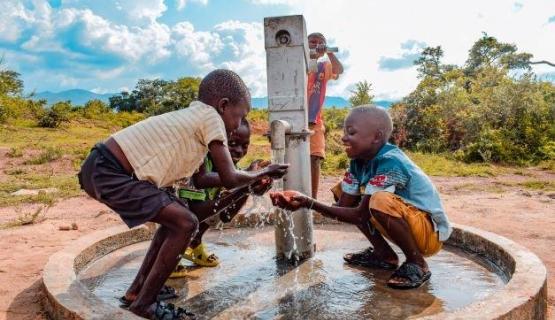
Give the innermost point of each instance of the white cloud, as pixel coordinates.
(366, 33)
(369, 30)
(273, 2)
(142, 10)
(131, 43)
(197, 46)
(15, 18)
(246, 40)
(180, 4)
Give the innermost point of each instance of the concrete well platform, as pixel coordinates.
(478, 275)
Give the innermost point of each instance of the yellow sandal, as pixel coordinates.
(179, 272)
(201, 257)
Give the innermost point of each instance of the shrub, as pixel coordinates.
(15, 152)
(58, 113)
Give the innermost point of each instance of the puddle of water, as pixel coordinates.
(250, 284)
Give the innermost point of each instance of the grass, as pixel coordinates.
(66, 185)
(70, 139)
(47, 155)
(15, 152)
(542, 185)
(547, 165)
(442, 165)
(24, 219)
(74, 140)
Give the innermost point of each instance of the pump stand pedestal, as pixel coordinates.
(287, 62)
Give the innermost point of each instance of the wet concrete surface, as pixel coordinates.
(250, 284)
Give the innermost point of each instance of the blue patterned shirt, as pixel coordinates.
(392, 171)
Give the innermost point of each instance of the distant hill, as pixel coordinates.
(80, 97)
(76, 96)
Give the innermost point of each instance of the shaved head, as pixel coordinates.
(377, 116)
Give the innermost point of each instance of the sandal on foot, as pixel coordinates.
(180, 271)
(171, 312)
(367, 258)
(201, 257)
(124, 302)
(166, 293)
(413, 275)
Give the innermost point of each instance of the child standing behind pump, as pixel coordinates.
(316, 94)
(208, 199)
(128, 171)
(385, 195)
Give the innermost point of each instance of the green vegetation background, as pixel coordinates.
(487, 117)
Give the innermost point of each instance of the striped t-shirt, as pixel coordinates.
(166, 148)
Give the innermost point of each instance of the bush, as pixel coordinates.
(96, 109)
(57, 114)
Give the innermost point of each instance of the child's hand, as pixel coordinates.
(258, 164)
(276, 171)
(290, 200)
(262, 186)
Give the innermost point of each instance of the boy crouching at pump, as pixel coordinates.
(212, 204)
(385, 195)
(129, 171)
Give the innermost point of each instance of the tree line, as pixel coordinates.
(149, 97)
(491, 109)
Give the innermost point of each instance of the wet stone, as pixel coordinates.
(250, 283)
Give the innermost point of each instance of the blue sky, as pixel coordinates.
(107, 45)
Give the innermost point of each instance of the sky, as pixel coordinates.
(107, 45)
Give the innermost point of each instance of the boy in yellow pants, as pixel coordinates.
(385, 195)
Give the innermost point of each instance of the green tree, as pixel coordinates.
(125, 102)
(481, 111)
(95, 109)
(10, 84)
(157, 96)
(361, 95)
(177, 95)
(488, 52)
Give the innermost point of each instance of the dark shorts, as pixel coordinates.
(136, 201)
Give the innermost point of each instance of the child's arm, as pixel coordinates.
(348, 200)
(230, 177)
(205, 209)
(238, 197)
(336, 66)
(354, 215)
(203, 179)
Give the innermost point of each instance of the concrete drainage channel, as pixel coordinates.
(523, 297)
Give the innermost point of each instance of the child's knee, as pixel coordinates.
(382, 206)
(380, 200)
(188, 223)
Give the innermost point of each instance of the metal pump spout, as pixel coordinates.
(278, 130)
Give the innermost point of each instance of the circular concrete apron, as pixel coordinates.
(479, 275)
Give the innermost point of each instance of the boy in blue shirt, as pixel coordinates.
(385, 195)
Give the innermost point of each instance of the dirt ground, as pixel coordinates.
(493, 204)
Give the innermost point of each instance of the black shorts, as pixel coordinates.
(136, 201)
